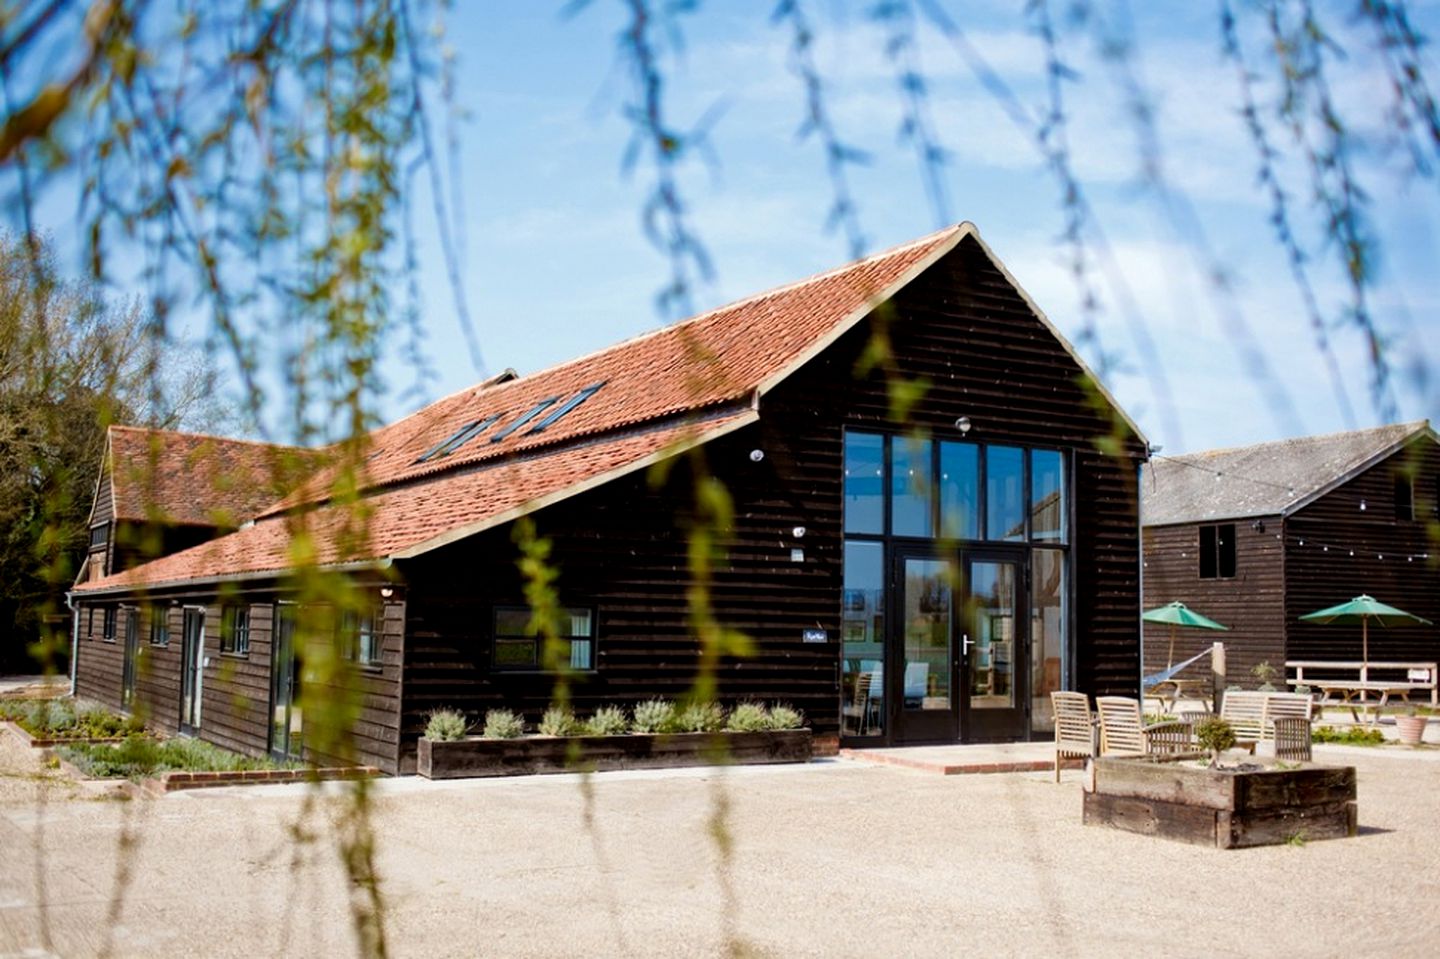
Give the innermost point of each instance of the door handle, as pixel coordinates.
(965, 638)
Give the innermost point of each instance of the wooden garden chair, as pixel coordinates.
(1123, 730)
(858, 709)
(1074, 727)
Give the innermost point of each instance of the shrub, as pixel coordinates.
(1216, 735)
(783, 716)
(748, 718)
(445, 726)
(139, 756)
(608, 721)
(1355, 736)
(700, 718)
(503, 724)
(655, 716)
(1266, 674)
(559, 722)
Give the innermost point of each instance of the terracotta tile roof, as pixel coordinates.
(708, 360)
(1266, 479)
(413, 518)
(192, 479)
(710, 370)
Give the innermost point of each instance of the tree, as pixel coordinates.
(70, 364)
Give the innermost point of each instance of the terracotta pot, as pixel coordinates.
(1411, 729)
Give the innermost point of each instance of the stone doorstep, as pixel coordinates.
(961, 767)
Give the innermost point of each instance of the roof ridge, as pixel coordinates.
(214, 436)
(499, 389)
(1411, 426)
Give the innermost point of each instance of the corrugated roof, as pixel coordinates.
(1266, 479)
(194, 479)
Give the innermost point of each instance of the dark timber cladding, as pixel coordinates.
(1328, 537)
(621, 547)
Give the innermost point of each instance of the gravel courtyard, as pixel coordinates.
(837, 858)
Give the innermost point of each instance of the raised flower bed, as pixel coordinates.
(1256, 804)
(477, 757)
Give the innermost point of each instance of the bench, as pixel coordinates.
(1349, 684)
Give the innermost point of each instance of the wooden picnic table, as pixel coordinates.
(1353, 693)
(1169, 692)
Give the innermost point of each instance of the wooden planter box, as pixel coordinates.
(1224, 808)
(549, 754)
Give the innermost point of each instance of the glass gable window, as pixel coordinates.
(1047, 496)
(864, 483)
(911, 492)
(959, 491)
(518, 647)
(1004, 493)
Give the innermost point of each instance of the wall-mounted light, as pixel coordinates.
(1362, 506)
(757, 455)
(963, 424)
(798, 532)
(1258, 526)
(386, 592)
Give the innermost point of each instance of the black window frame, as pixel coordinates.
(350, 628)
(1218, 551)
(102, 540)
(1404, 498)
(160, 626)
(560, 412)
(537, 664)
(111, 614)
(235, 630)
(524, 418)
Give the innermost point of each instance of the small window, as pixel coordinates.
(159, 626)
(524, 418)
(235, 631)
(566, 407)
(109, 624)
(1404, 498)
(458, 439)
(360, 637)
(99, 536)
(517, 647)
(1217, 551)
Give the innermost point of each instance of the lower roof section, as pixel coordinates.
(407, 521)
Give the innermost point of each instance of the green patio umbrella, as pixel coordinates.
(1362, 609)
(1178, 614)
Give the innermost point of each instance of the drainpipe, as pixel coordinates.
(74, 639)
(1140, 578)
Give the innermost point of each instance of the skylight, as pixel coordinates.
(457, 439)
(566, 407)
(525, 417)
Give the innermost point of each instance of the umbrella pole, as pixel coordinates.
(1170, 660)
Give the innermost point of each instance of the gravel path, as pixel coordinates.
(832, 859)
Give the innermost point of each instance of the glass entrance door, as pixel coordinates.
(993, 645)
(192, 664)
(286, 721)
(923, 683)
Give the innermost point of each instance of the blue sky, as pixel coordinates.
(555, 263)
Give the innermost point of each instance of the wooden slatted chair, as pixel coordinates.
(1244, 710)
(1292, 738)
(1074, 727)
(1123, 730)
(858, 709)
